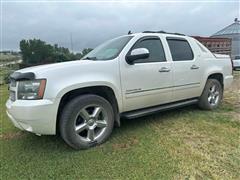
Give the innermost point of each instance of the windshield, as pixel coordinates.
(108, 50)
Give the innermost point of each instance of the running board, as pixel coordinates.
(147, 111)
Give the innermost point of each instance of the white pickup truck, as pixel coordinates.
(129, 76)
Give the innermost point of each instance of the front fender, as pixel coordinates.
(72, 87)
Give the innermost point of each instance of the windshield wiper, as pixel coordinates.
(90, 58)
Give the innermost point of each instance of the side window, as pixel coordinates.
(154, 47)
(180, 49)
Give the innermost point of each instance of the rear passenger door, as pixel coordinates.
(187, 71)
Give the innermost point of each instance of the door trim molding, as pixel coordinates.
(139, 90)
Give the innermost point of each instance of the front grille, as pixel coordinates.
(12, 96)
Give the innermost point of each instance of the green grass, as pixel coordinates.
(181, 144)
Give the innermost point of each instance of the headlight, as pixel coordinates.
(31, 89)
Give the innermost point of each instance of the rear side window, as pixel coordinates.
(180, 49)
(154, 47)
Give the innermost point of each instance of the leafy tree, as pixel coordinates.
(78, 55)
(86, 51)
(36, 51)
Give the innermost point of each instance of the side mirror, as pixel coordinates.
(139, 53)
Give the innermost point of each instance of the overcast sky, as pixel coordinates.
(93, 23)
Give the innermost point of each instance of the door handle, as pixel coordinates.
(164, 69)
(194, 67)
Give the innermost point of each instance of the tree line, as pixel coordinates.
(36, 52)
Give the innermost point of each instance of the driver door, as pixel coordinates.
(147, 82)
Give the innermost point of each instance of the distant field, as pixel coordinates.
(4, 58)
(186, 143)
(8, 64)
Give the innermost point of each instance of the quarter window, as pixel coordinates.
(180, 49)
(155, 48)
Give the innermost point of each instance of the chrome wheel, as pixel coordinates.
(213, 95)
(91, 123)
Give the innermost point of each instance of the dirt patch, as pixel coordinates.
(236, 83)
(131, 142)
(195, 141)
(232, 95)
(235, 116)
(12, 135)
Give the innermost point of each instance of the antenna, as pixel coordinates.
(129, 32)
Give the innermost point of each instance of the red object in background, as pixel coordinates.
(216, 45)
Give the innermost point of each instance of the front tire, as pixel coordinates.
(86, 121)
(211, 96)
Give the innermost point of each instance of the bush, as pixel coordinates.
(5, 72)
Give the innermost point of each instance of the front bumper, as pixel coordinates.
(36, 116)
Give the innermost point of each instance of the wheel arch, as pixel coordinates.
(218, 76)
(214, 74)
(100, 90)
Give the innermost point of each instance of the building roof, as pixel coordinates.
(233, 28)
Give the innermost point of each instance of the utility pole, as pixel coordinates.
(71, 42)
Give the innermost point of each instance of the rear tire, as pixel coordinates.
(211, 96)
(86, 121)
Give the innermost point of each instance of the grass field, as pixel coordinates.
(5, 58)
(187, 143)
(5, 68)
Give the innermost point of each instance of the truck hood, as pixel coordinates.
(42, 69)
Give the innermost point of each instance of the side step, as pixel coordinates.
(147, 111)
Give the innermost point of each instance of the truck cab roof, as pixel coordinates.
(159, 33)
